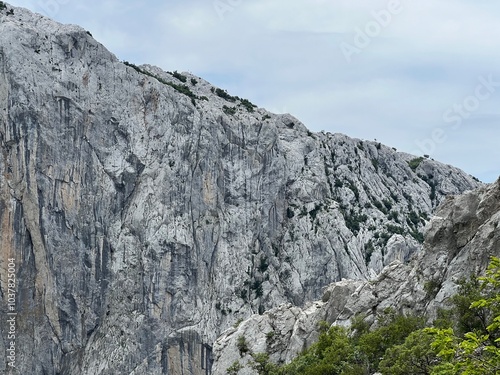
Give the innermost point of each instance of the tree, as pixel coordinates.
(242, 345)
(393, 330)
(477, 352)
(414, 357)
(262, 365)
(333, 354)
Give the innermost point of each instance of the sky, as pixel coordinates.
(421, 76)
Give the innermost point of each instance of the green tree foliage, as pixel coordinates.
(355, 351)
(414, 357)
(234, 369)
(261, 364)
(242, 345)
(476, 352)
(333, 354)
(414, 163)
(393, 330)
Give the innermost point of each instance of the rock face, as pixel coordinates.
(460, 239)
(149, 211)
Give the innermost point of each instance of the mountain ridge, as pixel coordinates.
(147, 219)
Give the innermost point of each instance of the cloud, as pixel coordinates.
(287, 56)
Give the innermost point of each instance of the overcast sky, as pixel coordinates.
(422, 76)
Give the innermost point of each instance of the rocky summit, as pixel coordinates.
(149, 211)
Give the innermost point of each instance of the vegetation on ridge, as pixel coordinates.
(183, 89)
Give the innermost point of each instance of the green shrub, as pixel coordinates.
(260, 363)
(387, 204)
(332, 354)
(380, 206)
(183, 89)
(263, 265)
(414, 218)
(394, 229)
(354, 189)
(234, 369)
(242, 345)
(476, 352)
(230, 111)
(464, 340)
(414, 163)
(414, 357)
(179, 76)
(419, 236)
(224, 95)
(393, 330)
(369, 249)
(247, 104)
(432, 287)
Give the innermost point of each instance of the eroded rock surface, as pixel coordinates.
(460, 239)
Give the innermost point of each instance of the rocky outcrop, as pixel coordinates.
(148, 211)
(460, 239)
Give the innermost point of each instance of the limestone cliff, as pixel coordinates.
(460, 239)
(148, 211)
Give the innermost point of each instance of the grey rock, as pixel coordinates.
(147, 214)
(460, 240)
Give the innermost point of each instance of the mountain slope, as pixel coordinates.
(459, 241)
(148, 211)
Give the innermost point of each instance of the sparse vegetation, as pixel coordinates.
(234, 369)
(242, 345)
(414, 163)
(432, 287)
(369, 249)
(263, 265)
(353, 220)
(395, 229)
(247, 104)
(419, 236)
(224, 95)
(183, 89)
(230, 111)
(179, 76)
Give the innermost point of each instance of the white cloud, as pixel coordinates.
(286, 56)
